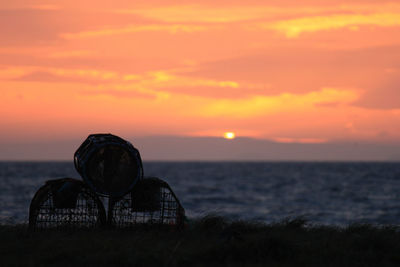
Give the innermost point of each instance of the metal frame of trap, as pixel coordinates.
(151, 203)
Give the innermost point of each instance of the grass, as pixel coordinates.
(210, 241)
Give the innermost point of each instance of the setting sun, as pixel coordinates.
(229, 135)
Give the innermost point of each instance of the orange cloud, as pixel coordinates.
(198, 13)
(71, 54)
(195, 13)
(159, 83)
(294, 27)
(44, 7)
(13, 72)
(172, 29)
(261, 105)
(166, 79)
(92, 74)
(289, 140)
(159, 78)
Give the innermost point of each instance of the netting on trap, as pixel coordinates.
(151, 203)
(66, 203)
(108, 164)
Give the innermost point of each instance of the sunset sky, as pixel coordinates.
(285, 71)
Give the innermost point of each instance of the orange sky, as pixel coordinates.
(289, 71)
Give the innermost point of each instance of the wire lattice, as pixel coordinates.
(65, 203)
(108, 164)
(151, 202)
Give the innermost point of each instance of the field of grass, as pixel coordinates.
(210, 241)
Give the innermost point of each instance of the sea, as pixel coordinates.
(329, 193)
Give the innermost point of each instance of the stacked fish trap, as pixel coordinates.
(66, 203)
(112, 171)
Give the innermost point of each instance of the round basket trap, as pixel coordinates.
(110, 165)
(66, 203)
(151, 202)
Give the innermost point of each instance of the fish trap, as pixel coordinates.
(150, 203)
(108, 164)
(66, 203)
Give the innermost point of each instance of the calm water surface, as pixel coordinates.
(328, 193)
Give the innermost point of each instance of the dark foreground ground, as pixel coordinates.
(211, 241)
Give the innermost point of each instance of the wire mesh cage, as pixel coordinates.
(151, 203)
(66, 203)
(110, 165)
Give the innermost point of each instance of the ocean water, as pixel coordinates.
(322, 193)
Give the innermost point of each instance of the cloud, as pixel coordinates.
(161, 82)
(285, 102)
(29, 26)
(171, 83)
(292, 28)
(166, 81)
(125, 94)
(45, 24)
(40, 76)
(44, 7)
(301, 70)
(289, 140)
(58, 75)
(214, 13)
(198, 13)
(71, 54)
(384, 95)
(13, 72)
(172, 29)
(171, 79)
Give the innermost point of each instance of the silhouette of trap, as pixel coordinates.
(111, 167)
(66, 203)
(108, 164)
(150, 203)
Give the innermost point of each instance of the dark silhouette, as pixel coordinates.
(110, 165)
(66, 203)
(111, 168)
